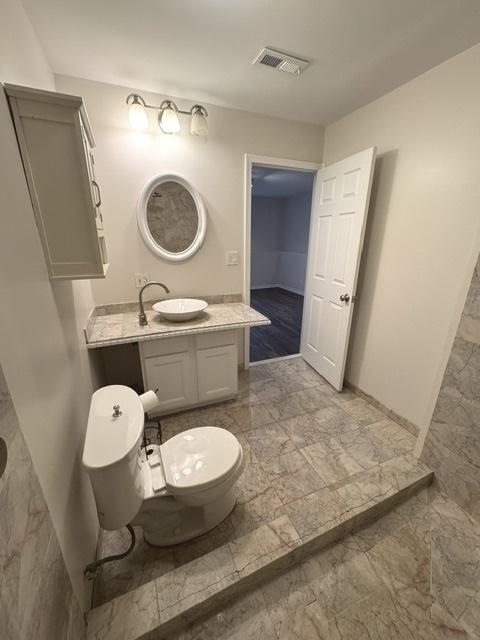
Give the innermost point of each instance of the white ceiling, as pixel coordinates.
(280, 183)
(202, 49)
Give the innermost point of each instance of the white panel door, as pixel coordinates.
(217, 372)
(174, 377)
(337, 227)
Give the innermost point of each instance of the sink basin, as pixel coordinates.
(180, 309)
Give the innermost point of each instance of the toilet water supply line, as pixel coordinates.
(90, 571)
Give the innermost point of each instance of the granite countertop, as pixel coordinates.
(122, 328)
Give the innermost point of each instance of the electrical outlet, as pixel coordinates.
(231, 258)
(141, 279)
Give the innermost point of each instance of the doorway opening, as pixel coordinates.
(281, 201)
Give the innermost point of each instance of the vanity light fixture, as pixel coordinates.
(198, 121)
(137, 115)
(168, 117)
(168, 120)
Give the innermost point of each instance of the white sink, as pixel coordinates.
(180, 309)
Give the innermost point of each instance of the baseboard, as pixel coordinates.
(269, 360)
(263, 286)
(292, 290)
(406, 424)
(278, 286)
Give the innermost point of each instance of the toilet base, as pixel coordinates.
(166, 522)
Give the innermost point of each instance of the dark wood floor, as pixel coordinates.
(282, 337)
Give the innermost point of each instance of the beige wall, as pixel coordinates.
(423, 235)
(41, 344)
(126, 159)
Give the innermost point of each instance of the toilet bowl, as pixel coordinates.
(176, 491)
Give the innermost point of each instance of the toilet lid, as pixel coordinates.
(199, 458)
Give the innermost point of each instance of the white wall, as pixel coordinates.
(126, 159)
(423, 233)
(266, 234)
(292, 264)
(41, 343)
(280, 229)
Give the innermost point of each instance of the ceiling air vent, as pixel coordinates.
(281, 61)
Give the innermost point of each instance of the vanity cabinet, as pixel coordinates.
(189, 371)
(56, 143)
(174, 377)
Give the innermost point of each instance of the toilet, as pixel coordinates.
(177, 491)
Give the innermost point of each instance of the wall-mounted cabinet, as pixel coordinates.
(189, 371)
(56, 143)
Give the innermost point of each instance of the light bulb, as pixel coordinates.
(198, 122)
(137, 116)
(168, 119)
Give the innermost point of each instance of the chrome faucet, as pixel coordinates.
(142, 318)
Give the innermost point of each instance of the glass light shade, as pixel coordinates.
(198, 123)
(137, 116)
(168, 120)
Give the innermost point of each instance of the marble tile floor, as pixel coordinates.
(163, 606)
(301, 440)
(414, 574)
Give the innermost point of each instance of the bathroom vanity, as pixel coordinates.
(190, 370)
(191, 363)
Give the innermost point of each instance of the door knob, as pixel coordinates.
(345, 297)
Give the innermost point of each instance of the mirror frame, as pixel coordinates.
(154, 183)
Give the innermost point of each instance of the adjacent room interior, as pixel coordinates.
(240, 320)
(281, 201)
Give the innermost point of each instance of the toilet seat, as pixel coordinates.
(198, 459)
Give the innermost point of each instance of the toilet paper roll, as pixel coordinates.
(149, 401)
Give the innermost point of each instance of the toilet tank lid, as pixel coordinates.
(111, 438)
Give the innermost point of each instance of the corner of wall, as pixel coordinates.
(45, 362)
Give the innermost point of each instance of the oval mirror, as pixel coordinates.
(171, 217)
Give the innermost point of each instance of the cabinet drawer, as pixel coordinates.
(174, 377)
(215, 339)
(165, 346)
(217, 373)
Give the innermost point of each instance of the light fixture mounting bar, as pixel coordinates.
(135, 97)
(167, 115)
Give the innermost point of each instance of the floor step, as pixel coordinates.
(159, 607)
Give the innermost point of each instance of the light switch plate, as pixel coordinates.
(231, 258)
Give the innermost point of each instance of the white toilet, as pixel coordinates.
(183, 489)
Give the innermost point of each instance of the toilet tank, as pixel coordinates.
(111, 454)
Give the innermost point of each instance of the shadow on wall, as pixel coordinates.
(369, 267)
(73, 302)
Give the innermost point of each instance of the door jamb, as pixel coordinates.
(267, 161)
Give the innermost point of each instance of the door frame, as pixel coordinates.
(276, 163)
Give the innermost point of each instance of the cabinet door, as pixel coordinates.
(95, 189)
(174, 377)
(51, 129)
(217, 372)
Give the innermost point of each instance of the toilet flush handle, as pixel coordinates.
(116, 411)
